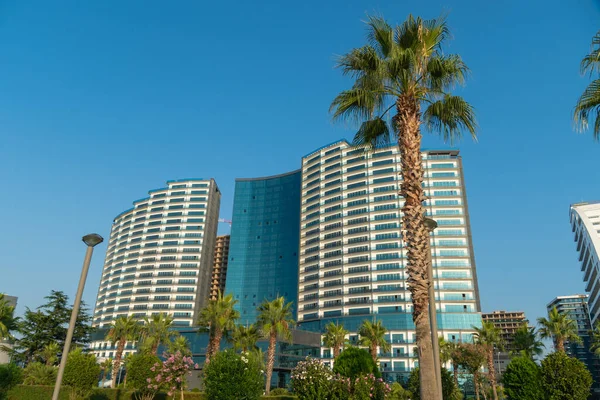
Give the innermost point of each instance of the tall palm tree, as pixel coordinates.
(217, 318)
(588, 105)
(404, 69)
(488, 337)
(372, 335)
(559, 327)
(275, 320)
(526, 342)
(180, 344)
(245, 337)
(122, 330)
(335, 337)
(49, 353)
(8, 322)
(156, 330)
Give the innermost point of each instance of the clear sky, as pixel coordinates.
(101, 101)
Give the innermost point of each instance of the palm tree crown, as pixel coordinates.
(526, 342)
(588, 105)
(488, 337)
(156, 330)
(372, 335)
(335, 337)
(560, 327)
(245, 337)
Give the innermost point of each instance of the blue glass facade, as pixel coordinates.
(263, 252)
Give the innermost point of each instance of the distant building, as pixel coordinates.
(219, 272)
(576, 307)
(508, 322)
(4, 356)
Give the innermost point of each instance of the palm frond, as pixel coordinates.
(445, 72)
(449, 117)
(435, 33)
(588, 107)
(356, 104)
(359, 61)
(380, 36)
(591, 62)
(372, 134)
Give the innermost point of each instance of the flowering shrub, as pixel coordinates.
(311, 380)
(233, 376)
(171, 374)
(369, 387)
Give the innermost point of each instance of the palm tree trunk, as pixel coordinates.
(155, 347)
(492, 371)
(373, 351)
(117, 362)
(455, 372)
(336, 351)
(270, 361)
(476, 384)
(416, 236)
(215, 344)
(560, 345)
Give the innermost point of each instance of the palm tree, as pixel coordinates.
(122, 330)
(372, 335)
(335, 337)
(105, 367)
(275, 320)
(488, 337)
(405, 69)
(180, 344)
(245, 337)
(156, 330)
(217, 318)
(559, 327)
(8, 322)
(589, 102)
(50, 353)
(472, 357)
(526, 342)
(449, 351)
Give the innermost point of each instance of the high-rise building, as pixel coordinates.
(352, 260)
(159, 257)
(263, 253)
(219, 272)
(508, 322)
(576, 307)
(585, 222)
(4, 355)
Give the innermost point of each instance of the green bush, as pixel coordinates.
(522, 380)
(399, 393)
(233, 376)
(565, 378)
(81, 374)
(10, 376)
(354, 362)
(24, 392)
(36, 373)
(414, 384)
(141, 367)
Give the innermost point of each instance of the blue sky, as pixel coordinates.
(102, 101)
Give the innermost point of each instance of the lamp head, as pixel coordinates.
(430, 224)
(92, 239)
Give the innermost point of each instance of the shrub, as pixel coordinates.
(448, 386)
(81, 374)
(139, 372)
(354, 362)
(397, 392)
(369, 387)
(311, 380)
(36, 373)
(10, 376)
(172, 373)
(279, 392)
(233, 376)
(522, 380)
(565, 378)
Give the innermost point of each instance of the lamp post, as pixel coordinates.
(90, 240)
(431, 225)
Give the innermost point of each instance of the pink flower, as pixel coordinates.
(148, 380)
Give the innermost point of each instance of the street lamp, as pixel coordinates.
(431, 225)
(90, 240)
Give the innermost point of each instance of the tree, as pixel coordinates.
(588, 105)
(49, 353)
(275, 320)
(414, 384)
(140, 368)
(559, 327)
(449, 351)
(105, 367)
(244, 338)
(10, 376)
(372, 335)
(522, 379)
(335, 337)
(399, 393)
(595, 342)
(565, 378)
(36, 373)
(472, 357)
(526, 342)
(405, 69)
(179, 344)
(233, 376)
(122, 330)
(217, 318)
(156, 330)
(8, 322)
(488, 336)
(354, 362)
(81, 374)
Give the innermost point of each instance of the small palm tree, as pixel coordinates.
(488, 337)
(180, 344)
(122, 330)
(105, 367)
(372, 335)
(335, 337)
(275, 320)
(217, 318)
(8, 322)
(526, 342)
(559, 327)
(404, 69)
(588, 105)
(49, 354)
(245, 337)
(156, 330)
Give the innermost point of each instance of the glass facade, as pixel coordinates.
(263, 252)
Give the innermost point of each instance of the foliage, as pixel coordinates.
(588, 105)
(310, 380)
(279, 392)
(335, 337)
(526, 342)
(156, 330)
(81, 374)
(488, 337)
(105, 367)
(49, 354)
(369, 387)
(397, 392)
(522, 380)
(121, 330)
(560, 328)
(595, 345)
(139, 370)
(217, 318)
(36, 373)
(372, 335)
(565, 378)
(8, 322)
(233, 376)
(179, 344)
(414, 384)
(354, 362)
(10, 376)
(172, 373)
(22, 392)
(245, 337)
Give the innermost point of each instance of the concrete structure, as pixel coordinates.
(4, 356)
(576, 307)
(219, 271)
(508, 322)
(263, 253)
(159, 257)
(585, 223)
(352, 260)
